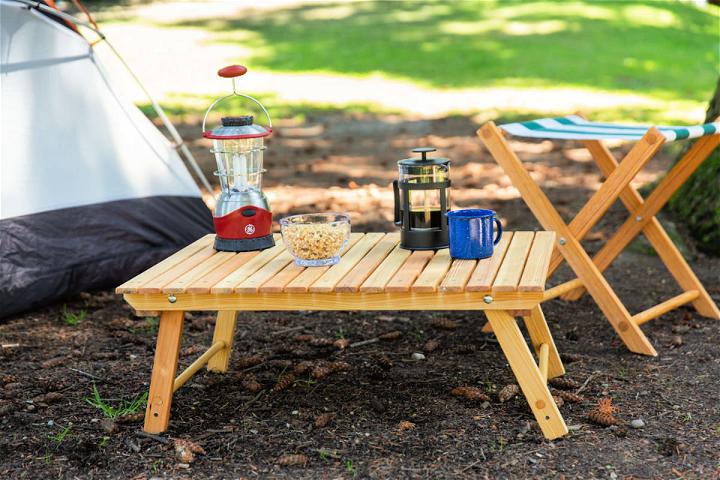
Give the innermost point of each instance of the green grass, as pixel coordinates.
(60, 437)
(666, 49)
(123, 407)
(72, 318)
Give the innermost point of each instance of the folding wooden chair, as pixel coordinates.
(617, 184)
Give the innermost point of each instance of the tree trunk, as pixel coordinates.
(697, 203)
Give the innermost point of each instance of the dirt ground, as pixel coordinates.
(352, 423)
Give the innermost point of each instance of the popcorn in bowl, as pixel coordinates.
(316, 239)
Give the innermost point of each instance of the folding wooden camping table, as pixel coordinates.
(373, 274)
(616, 185)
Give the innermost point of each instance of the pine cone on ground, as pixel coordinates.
(321, 342)
(508, 392)
(279, 363)
(603, 414)
(603, 419)
(430, 346)
(569, 397)
(320, 371)
(302, 367)
(465, 348)
(250, 383)
(290, 460)
(304, 338)
(390, 336)
(385, 362)
(322, 420)
(246, 361)
(284, 382)
(470, 393)
(338, 366)
(558, 401)
(564, 383)
(444, 324)
(571, 357)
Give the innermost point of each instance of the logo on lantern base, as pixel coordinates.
(249, 229)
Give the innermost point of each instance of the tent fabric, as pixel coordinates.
(573, 127)
(90, 191)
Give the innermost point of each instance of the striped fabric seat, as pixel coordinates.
(573, 127)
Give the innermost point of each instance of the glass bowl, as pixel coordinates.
(316, 239)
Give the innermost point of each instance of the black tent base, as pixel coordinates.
(50, 255)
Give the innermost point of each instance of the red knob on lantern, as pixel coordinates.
(232, 71)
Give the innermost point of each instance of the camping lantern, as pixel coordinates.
(242, 217)
(421, 201)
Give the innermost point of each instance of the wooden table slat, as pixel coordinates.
(483, 277)
(409, 271)
(257, 279)
(458, 276)
(206, 282)
(538, 261)
(227, 284)
(156, 284)
(302, 282)
(514, 262)
(434, 272)
(352, 281)
(277, 283)
(181, 283)
(132, 285)
(326, 283)
(384, 272)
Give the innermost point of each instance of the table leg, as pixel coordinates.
(540, 333)
(224, 332)
(157, 414)
(527, 374)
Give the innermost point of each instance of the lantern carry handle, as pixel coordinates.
(232, 72)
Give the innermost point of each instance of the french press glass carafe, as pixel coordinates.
(421, 201)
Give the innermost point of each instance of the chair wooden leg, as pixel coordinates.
(157, 414)
(527, 374)
(569, 246)
(224, 332)
(540, 334)
(651, 227)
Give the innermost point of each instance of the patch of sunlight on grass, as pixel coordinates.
(561, 9)
(648, 15)
(537, 28)
(333, 12)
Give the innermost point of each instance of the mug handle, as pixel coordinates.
(498, 232)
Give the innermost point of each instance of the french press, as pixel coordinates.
(421, 201)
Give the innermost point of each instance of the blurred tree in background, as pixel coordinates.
(698, 201)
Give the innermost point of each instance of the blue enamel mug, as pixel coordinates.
(471, 233)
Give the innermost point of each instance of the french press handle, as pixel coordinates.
(396, 192)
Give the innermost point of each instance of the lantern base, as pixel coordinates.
(425, 239)
(243, 244)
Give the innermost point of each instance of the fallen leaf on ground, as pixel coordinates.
(405, 425)
(185, 450)
(508, 392)
(430, 346)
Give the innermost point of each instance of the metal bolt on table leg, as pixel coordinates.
(488, 299)
(638, 218)
(172, 298)
(562, 241)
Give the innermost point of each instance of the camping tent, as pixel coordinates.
(91, 192)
